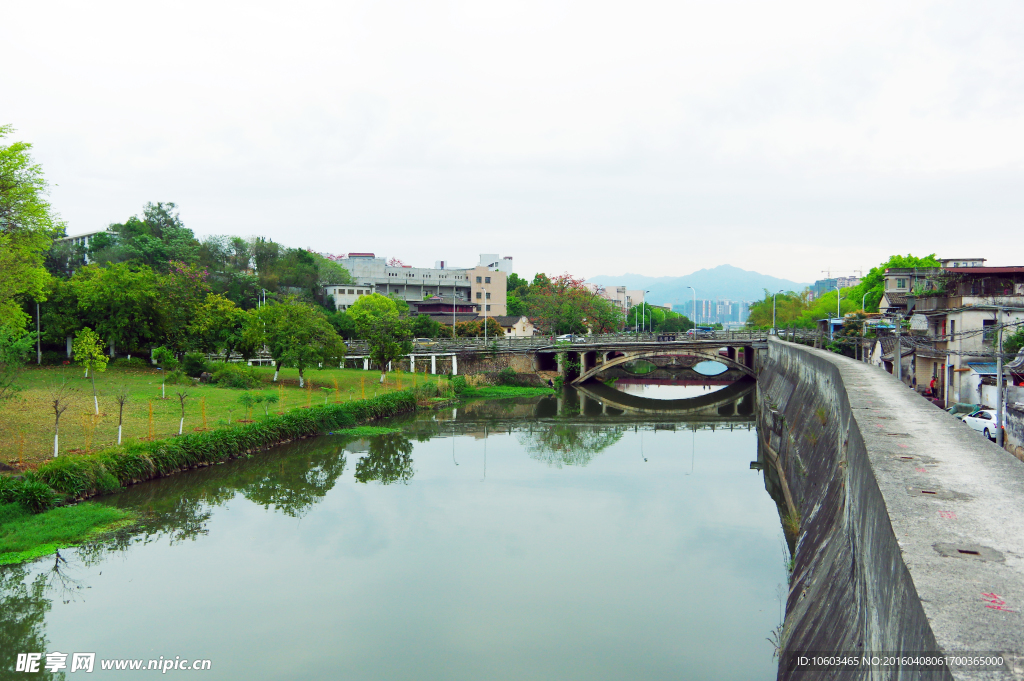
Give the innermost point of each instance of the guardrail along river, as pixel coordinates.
(514, 539)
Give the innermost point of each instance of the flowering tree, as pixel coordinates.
(562, 304)
(395, 262)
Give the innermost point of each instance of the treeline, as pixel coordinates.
(797, 309)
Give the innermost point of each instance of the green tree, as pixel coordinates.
(182, 292)
(874, 283)
(120, 302)
(295, 334)
(167, 362)
(59, 316)
(15, 345)
(88, 349)
(28, 227)
(425, 327)
(1013, 342)
(515, 305)
(517, 285)
(377, 321)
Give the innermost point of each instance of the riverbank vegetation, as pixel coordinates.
(25, 535)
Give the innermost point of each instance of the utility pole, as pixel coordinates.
(999, 376)
(898, 353)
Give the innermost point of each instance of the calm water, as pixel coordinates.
(517, 540)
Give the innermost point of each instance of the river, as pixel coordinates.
(529, 538)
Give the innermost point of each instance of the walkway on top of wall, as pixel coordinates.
(948, 491)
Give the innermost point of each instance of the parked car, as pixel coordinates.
(701, 332)
(424, 342)
(983, 421)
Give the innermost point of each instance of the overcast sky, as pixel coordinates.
(589, 137)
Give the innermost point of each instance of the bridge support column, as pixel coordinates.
(455, 364)
(433, 364)
(366, 363)
(412, 364)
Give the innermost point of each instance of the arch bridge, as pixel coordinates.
(595, 358)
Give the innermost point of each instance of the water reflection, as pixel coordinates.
(444, 577)
(388, 460)
(567, 445)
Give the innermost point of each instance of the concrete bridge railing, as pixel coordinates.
(908, 527)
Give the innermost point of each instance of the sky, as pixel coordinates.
(656, 138)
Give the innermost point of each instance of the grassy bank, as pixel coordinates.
(25, 535)
(493, 392)
(26, 423)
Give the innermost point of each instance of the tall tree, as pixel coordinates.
(182, 292)
(28, 227)
(295, 334)
(564, 305)
(15, 345)
(119, 302)
(378, 322)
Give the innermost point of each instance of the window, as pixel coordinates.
(488, 308)
(488, 295)
(952, 329)
(988, 328)
(901, 283)
(478, 295)
(487, 280)
(351, 292)
(478, 280)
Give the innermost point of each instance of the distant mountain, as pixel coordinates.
(722, 282)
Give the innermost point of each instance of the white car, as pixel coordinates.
(983, 421)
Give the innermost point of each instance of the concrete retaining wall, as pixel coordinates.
(890, 491)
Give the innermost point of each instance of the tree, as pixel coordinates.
(88, 349)
(119, 301)
(15, 345)
(217, 325)
(60, 318)
(516, 306)
(62, 396)
(182, 394)
(874, 283)
(425, 327)
(378, 322)
(517, 285)
(28, 227)
(295, 334)
(156, 239)
(182, 291)
(122, 398)
(564, 305)
(1012, 343)
(166, 360)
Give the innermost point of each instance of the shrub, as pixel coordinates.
(175, 377)
(194, 364)
(53, 357)
(459, 384)
(133, 363)
(8, 489)
(507, 376)
(233, 375)
(36, 496)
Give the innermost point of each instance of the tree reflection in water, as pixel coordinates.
(565, 445)
(388, 460)
(23, 608)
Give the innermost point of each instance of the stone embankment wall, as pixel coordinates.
(908, 527)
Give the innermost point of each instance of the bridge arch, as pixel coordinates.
(710, 354)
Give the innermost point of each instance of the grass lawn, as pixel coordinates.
(25, 535)
(26, 423)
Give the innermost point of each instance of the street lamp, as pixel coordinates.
(645, 307)
(694, 308)
(773, 312)
(839, 314)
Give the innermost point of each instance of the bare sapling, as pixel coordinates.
(62, 395)
(122, 398)
(182, 396)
